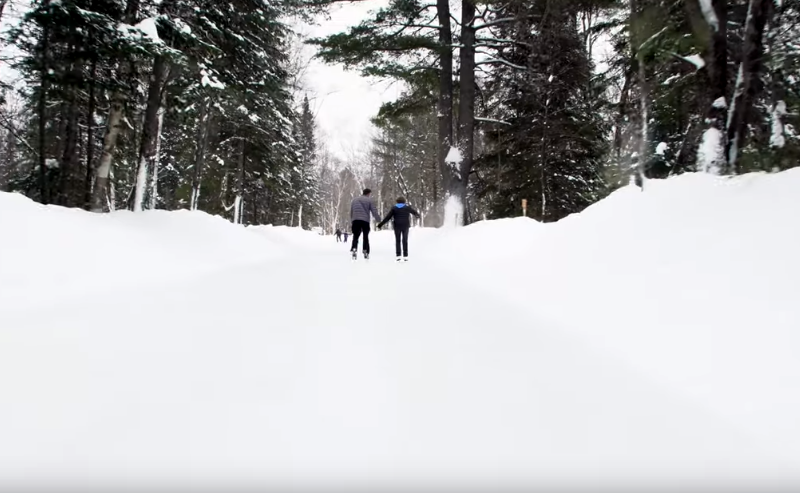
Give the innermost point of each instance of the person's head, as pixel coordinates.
(367, 191)
(401, 200)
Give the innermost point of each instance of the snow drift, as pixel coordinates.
(694, 281)
(51, 253)
(648, 343)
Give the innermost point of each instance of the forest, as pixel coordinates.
(197, 104)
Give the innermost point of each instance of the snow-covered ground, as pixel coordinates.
(651, 341)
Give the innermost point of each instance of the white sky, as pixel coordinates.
(344, 101)
(11, 15)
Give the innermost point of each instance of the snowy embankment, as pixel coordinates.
(695, 282)
(648, 342)
(50, 254)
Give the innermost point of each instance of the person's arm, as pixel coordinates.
(386, 219)
(411, 210)
(374, 211)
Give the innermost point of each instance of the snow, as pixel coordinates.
(648, 342)
(453, 156)
(148, 27)
(695, 60)
(661, 148)
(453, 212)
(671, 79)
(709, 155)
(211, 81)
(54, 253)
(709, 14)
(720, 103)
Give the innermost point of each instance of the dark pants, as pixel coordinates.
(358, 228)
(401, 235)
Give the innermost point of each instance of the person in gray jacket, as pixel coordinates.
(360, 209)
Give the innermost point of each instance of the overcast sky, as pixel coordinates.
(343, 101)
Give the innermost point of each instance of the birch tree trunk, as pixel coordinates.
(300, 216)
(153, 199)
(151, 132)
(103, 195)
(644, 138)
(237, 203)
(101, 192)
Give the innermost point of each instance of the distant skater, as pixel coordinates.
(401, 215)
(360, 210)
(339, 235)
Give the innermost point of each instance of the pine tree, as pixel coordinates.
(548, 143)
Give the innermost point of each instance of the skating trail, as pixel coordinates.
(315, 370)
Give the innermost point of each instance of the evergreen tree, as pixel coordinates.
(177, 103)
(548, 141)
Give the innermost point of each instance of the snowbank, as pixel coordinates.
(50, 253)
(295, 239)
(695, 281)
(652, 339)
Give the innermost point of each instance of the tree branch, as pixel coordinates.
(500, 61)
(491, 120)
(495, 22)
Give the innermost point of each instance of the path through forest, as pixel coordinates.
(316, 369)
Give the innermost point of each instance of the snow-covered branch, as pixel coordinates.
(501, 61)
(491, 120)
(708, 13)
(495, 22)
(499, 42)
(653, 37)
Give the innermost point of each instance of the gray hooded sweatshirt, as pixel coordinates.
(361, 207)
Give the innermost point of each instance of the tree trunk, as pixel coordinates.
(445, 103)
(644, 137)
(87, 192)
(300, 216)
(200, 153)
(69, 152)
(101, 194)
(151, 131)
(237, 204)
(153, 200)
(42, 110)
(621, 114)
(745, 90)
(716, 58)
(466, 107)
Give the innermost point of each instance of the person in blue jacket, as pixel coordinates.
(401, 216)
